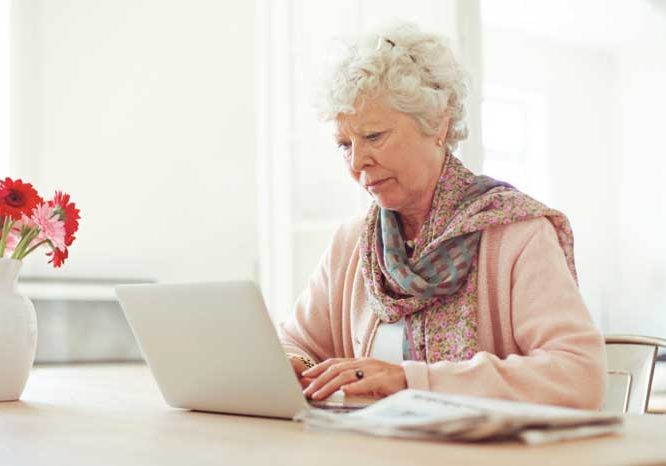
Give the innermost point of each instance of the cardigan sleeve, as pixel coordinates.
(563, 359)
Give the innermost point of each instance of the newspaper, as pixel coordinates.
(427, 415)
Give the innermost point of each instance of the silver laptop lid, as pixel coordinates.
(212, 347)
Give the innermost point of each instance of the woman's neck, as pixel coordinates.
(412, 219)
(412, 223)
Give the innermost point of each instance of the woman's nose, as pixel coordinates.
(359, 157)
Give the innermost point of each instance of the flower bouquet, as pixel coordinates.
(27, 223)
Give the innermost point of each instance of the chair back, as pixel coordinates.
(631, 360)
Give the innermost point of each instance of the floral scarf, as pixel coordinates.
(435, 289)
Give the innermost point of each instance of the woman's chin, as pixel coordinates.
(387, 202)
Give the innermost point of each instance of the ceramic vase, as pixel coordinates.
(18, 333)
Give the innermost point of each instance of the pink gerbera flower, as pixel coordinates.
(50, 226)
(24, 223)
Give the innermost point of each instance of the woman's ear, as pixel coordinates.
(443, 131)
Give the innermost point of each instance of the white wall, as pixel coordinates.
(4, 88)
(144, 112)
(637, 297)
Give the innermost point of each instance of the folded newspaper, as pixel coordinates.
(420, 414)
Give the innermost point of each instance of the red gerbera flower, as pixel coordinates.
(17, 198)
(68, 213)
(58, 257)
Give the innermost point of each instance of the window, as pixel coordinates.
(514, 139)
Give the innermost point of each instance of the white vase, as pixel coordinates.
(18, 333)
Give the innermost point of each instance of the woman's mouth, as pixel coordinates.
(376, 185)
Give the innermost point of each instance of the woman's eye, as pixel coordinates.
(373, 136)
(345, 148)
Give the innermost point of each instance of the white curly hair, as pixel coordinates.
(415, 72)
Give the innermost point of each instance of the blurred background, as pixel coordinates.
(185, 131)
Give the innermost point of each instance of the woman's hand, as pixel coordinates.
(379, 379)
(299, 366)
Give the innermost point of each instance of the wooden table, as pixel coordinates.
(114, 415)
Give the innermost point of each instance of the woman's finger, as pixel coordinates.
(333, 385)
(322, 366)
(305, 382)
(330, 373)
(364, 387)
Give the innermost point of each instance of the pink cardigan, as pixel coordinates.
(537, 342)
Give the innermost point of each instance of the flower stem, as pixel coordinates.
(32, 249)
(24, 243)
(6, 226)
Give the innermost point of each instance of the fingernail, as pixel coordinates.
(316, 395)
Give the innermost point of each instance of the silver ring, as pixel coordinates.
(359, 374)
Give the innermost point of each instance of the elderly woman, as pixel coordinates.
(451, 282)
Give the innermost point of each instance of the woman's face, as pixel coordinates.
(388, 155)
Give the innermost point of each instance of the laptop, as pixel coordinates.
(212, 347)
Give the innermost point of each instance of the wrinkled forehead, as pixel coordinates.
(369, 114)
